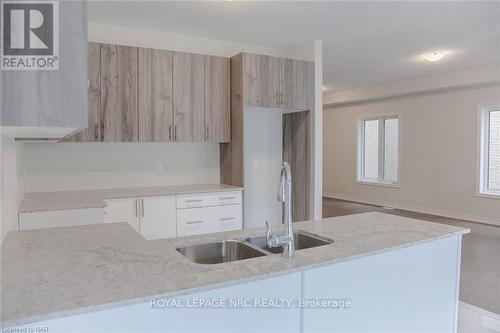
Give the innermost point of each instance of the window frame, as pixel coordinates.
(360, 179)
(484, 151)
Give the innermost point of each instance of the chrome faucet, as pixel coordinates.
(284, 195)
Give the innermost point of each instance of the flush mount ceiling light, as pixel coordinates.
(434, 56)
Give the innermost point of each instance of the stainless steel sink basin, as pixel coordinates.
(302, 240)
(219, 252)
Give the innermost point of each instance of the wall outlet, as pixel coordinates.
(255, 164)
(159, 167)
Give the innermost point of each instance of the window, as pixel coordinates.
(379, 150)
(490, 151)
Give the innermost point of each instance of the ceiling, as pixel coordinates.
(365, 43)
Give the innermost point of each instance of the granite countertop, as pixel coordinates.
(45, 201)
(50, 273)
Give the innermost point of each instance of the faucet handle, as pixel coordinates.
(272, 240)
(268, 233)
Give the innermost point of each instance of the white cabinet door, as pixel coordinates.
(157, 217)
(122, 210)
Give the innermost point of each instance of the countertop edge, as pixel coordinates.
(133, 301)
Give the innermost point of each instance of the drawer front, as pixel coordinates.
(204, 220)
(208, 199)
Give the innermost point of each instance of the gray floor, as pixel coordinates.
(480, 276)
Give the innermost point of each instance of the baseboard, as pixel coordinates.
(416, 209)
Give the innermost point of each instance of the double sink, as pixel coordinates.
(252, 247)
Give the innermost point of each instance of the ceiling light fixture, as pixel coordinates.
(434, 56)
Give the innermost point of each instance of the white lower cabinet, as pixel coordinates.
(152, 217)
(193, 221)
(122, 210)
(157, 217)
(208, 212)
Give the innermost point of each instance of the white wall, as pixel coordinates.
(12, 184)
(317, 133)
(439, 153)
(73, 166)
(263, 144)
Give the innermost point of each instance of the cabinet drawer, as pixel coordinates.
(203, 220)
(208, 199)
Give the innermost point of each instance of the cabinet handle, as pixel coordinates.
(102, 131)
(194, 222)
(96, 134)
(175, 133)
(142, 207)
(194, 200)
(206, 134)
(226, 198)
(277, 98)
(136, 208)
(170, 132)
(227, 218)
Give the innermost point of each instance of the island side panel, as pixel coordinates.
(143, 317)
(413, 289)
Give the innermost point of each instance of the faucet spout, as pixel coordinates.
(285, 196)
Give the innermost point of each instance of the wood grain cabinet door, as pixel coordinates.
(189, 97)
(119, 93)
(155, 95)
(217, 99)
(296, 151)
(310, 95)
(261, 80)
(294, 77)
(92, 132)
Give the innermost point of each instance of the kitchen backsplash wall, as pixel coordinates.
(74, 166)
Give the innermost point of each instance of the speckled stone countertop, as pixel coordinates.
(57, 272)
(45, 201)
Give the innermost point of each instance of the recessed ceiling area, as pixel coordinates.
(365, 43)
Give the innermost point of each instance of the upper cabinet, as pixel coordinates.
(273, 82)
(294, 84)
(51, 103)
(93, 131)
(189, 97)
(148, 95)
(217, 99)
(119, 93)
(261, 80)
(155, 95)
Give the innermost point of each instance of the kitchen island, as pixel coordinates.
(381, 273)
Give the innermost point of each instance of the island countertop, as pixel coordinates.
(57, 272)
